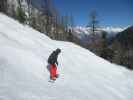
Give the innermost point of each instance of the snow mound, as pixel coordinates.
(83, 76)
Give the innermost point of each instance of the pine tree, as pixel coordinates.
(105, 51)
(93, 22)
(21, 15)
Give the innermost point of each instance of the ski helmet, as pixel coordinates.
(58, 50)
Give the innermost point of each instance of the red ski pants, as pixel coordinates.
(53, 71)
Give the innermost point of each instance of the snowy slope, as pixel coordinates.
(83, 76)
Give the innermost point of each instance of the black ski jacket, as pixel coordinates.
(53, 58)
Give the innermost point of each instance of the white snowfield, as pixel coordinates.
(83, 76)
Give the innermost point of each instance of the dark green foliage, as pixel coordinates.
(105, 51)
(104, 41)
(21, 16)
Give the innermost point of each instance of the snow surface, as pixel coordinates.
(83, 76)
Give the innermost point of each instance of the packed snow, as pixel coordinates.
(83, 75)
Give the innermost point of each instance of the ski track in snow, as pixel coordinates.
(83, 75)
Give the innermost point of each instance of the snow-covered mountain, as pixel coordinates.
(83, 75)
(87, 30)
(84, 33)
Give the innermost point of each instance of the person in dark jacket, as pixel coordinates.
(53, 63)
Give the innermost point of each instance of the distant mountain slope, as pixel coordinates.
(84, 33)
(126, 37)
(122, 45)
(87, 30)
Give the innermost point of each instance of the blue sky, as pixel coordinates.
(110, 12)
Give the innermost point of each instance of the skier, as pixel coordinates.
(53, 63)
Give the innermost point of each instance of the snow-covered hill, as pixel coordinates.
(83, 76)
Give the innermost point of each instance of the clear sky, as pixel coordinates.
(110, 12)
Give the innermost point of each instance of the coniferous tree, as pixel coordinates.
(21, 15)
(105, 51)
(93, 25)
(3, 6)
(93, 21)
